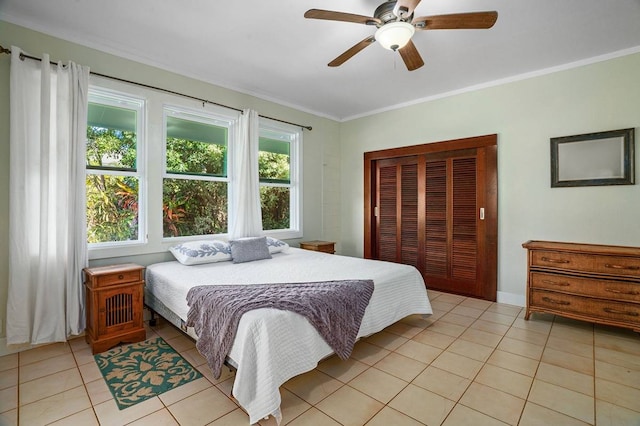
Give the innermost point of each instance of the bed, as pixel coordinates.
(271, 346)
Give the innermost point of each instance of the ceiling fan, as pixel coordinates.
(396, 25)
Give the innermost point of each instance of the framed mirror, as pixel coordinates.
(593, 159)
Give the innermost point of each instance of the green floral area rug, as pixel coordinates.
(139, 371)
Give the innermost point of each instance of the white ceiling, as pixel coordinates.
(268, 49)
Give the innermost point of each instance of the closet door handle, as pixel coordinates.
(548, 259)
(617, 311)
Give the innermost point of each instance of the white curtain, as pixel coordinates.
(246, 220)
(47, 218)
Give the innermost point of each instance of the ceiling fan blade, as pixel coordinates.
(351, 52)
(455, 21)
(331, 15)
(411, 56)
(404, 8)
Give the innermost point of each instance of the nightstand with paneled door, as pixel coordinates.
(323, 246)
(114, 305)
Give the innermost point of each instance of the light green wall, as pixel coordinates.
(319, 145)
(525, 115)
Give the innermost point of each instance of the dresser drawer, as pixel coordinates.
(594, 308)
(607, 289)
(584, 263)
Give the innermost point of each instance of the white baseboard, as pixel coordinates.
(512, 299)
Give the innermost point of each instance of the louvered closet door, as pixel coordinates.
(397, 211)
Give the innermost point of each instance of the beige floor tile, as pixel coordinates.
(536, 415)
(235, 418)
(565, 345)
(109, 415)
(505, 380)
(498, 318)
(44, 352)
(419, 352)
(476, 303)
(457, 364)
(444, 383)
(527, 336)
(85, 418)
(566, 378)
(404, 330)
(490, 327)
(181, 343)
(290, 405)
(618, 374)
(225, 374)
(9, 418)
(194, 357)
(388, 416)
(8, 378)
(202, 408)
(313, 386)
(461, 415)
(78, 344)
(618, 394)
(343, 370)
(52, 384)
(540, 323)
(378, 384)
(482, 337)
(470, 350)
(55, 407)
(98, 391)
(184, 391)
(8, 399)
(567, 360)
(387, 340)
(368, 353)
(90, 372)
(581, 332)
(502, 308)
(513, 362)
(418, 320)
(46, 367)
(166, 330)
(467, 311)
(8, 362)
(83, 356)
(442, 306)
(313, 416)
(349, 406)
(617, 339)
(563, 400)
(400, 366)
(449, 329)
(519, 347)
(432, 338)
(613, 415)
(422, 405)
(623, 359)
(462, 320)
(492, 402)
(451, 298)
(226, 387)
(159, 418)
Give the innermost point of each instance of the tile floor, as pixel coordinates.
(472, 363)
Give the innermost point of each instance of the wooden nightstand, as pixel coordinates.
(114, 305)
(323, 246)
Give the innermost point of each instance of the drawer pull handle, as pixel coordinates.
(616, 311)
(630, 268)
(547, 259)
(631, 293)
(557, 302)
(120, 277)
(562, 284)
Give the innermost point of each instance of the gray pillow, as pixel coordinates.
(249, 249)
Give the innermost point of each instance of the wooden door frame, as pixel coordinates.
(489, 170)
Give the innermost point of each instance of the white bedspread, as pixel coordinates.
(271, 346)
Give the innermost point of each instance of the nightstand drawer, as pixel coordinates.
(105, 276)
(322, 246)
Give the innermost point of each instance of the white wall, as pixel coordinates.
(525, 115)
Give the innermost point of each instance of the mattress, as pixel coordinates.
(272, 346)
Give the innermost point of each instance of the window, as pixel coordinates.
(196, 183)
(114, 175)
(278, 166)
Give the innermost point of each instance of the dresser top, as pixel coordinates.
(582, 248)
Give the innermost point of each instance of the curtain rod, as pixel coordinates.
(35, 58)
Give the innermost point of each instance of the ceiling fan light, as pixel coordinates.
(394, 35)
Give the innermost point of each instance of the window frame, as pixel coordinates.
(114, 98)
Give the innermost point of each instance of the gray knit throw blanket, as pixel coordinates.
(334, 308)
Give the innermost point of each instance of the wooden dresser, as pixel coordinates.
(114, 305)
(588, 282)
(323, 246)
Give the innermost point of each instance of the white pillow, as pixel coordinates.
(201, 251)
(276, 246)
